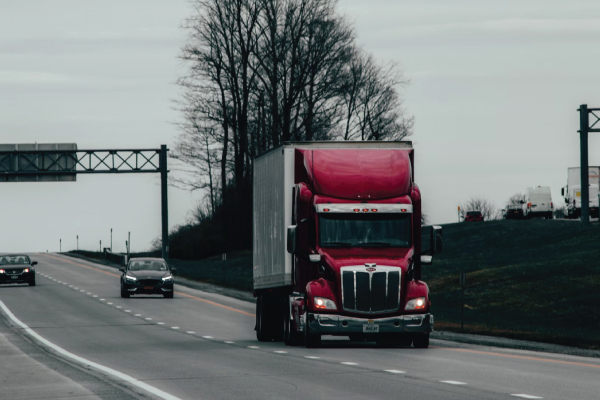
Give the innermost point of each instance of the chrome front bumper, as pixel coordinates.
(327, 324)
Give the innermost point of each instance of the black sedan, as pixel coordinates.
(17, 268)
(147, 276)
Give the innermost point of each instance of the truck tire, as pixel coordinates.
(262, 321)
(311, 340)
(421, 341)
(291, 337)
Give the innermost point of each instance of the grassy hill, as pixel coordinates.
(536, 280)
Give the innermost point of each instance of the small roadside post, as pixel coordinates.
(458, 214)
(463, 283)
(60, 245)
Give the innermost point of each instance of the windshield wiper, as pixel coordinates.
(336, 244)
(383, 244)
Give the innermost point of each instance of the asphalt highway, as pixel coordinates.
(202, 346)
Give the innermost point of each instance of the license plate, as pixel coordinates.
(148, 287)
(370, 328)
(14, 277)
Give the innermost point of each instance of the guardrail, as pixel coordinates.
(116, 258)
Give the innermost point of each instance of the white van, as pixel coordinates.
(538, 203)
(573, 201)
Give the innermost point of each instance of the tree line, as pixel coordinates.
(264, 72)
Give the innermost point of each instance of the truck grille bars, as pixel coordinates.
(369, 292)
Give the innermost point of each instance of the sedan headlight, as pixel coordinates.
(167, 278)
(1, 271)
(325, 304)
(416, 304)
(130, 278)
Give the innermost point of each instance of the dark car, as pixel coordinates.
(474, 216)
(17, 268)
(147, 276)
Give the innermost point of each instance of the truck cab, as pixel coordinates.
(353, 238)
(573, 201)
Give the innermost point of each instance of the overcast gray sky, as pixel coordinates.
(494, 89)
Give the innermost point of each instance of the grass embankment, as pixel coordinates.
(535, 280)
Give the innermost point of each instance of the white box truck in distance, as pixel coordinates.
(572, 192)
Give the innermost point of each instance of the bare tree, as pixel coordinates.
(517, 198)
(487, 208)
(262, 72)
(560, 212)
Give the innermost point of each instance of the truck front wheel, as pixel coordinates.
(421, 341)
(311, 340)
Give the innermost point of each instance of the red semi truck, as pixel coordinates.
(337, 244)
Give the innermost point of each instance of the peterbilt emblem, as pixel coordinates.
(370, 267)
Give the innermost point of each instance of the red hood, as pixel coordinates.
(341, 257)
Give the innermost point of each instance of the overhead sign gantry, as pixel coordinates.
(62, 162)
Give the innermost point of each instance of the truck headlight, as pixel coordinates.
(416, 304)
(130, 278)
(325, 304)
(167, 278)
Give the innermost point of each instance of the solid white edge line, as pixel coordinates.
(86, 362)
(526, 396)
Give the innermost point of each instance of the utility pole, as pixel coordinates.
(100, 246)
(111, 249)
(584, 129)
(164, 203)
(77, 242)
(463, 284)
(60, 245)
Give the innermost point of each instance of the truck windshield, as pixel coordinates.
(364, 230)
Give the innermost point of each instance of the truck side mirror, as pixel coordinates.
(562, 192)
(437, 243)
(291, 239)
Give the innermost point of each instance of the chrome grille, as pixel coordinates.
(370, 292)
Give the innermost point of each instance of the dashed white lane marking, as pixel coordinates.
(64, 283)
(394, 371)
(191, 332)
(160, 323)
(95, 295)
(453, 382)
(109, 303)
(102, 299)
(349, 363)
(312, 357)
(253, 347)
(280, 352)
(70, 285)
(88, 293)
(174, 327)
(81, 290)
(89, 363)
(76, 288)
(138, 315)
(58, 281)
(127, 310)
(228, 342)
(118, 307)
(148, 319)
(207, 337)
(526, 396)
